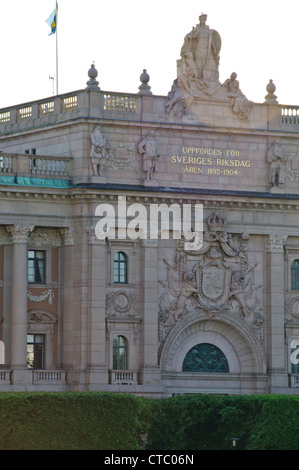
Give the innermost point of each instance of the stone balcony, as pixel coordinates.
(33, 170)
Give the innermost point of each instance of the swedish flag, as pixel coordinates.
(52, 20)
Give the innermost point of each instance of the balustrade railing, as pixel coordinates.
(124, 377)
(24, 166)
(118, 102)
(290, 115)
(6, 163)
(48, 376)
(5, 376)
(47, 166)
(294, 380)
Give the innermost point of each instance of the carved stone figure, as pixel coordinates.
(200, 54)
(277, 159)
(240, 105)
(148, 148)
(198, 76)
(99, 152)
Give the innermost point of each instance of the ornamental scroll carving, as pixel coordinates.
(215, 280)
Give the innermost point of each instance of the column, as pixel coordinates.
(67, 235)
(19, 302)
(274, 245)
(151, 372)
(96, 333)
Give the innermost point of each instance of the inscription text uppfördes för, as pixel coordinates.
(210, 161)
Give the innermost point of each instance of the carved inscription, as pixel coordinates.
(210, 161)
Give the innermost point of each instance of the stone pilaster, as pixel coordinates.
(67, 235)
(150, 373)
(274, 245)
(18, 360)
(96, 334)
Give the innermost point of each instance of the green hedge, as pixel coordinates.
(111, 421)
(72, 421)
(268, 422)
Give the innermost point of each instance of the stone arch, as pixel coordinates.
(229, 333)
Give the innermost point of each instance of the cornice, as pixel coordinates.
(209, 198)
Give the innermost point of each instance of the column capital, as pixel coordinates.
(274, 243)
(67, 234)
(92, 238)
(19, 233)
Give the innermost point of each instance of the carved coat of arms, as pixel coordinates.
(216, 279)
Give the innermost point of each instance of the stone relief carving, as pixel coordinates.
(41, 317)
(47, 294)
(122, 156)
(214, 280)
(198, 75)
(292, 309)
(44, 237)
(121, 304)
(277, 158)
(280, 164)
(149, 150)
(109, 155)
(99, 151)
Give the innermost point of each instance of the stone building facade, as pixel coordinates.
(142, 314)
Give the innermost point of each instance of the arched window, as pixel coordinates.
(120, 353)
(295, 275)
(205, 357)
(120, 268)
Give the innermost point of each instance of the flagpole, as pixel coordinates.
(56, 52)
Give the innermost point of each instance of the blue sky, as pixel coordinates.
(259, 42)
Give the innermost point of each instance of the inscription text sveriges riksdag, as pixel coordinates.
(210, 161)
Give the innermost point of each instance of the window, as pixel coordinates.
(295, 275)
(120, 268)
(205, 357)
(35, 351)
(120, 353)
(36, 267)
